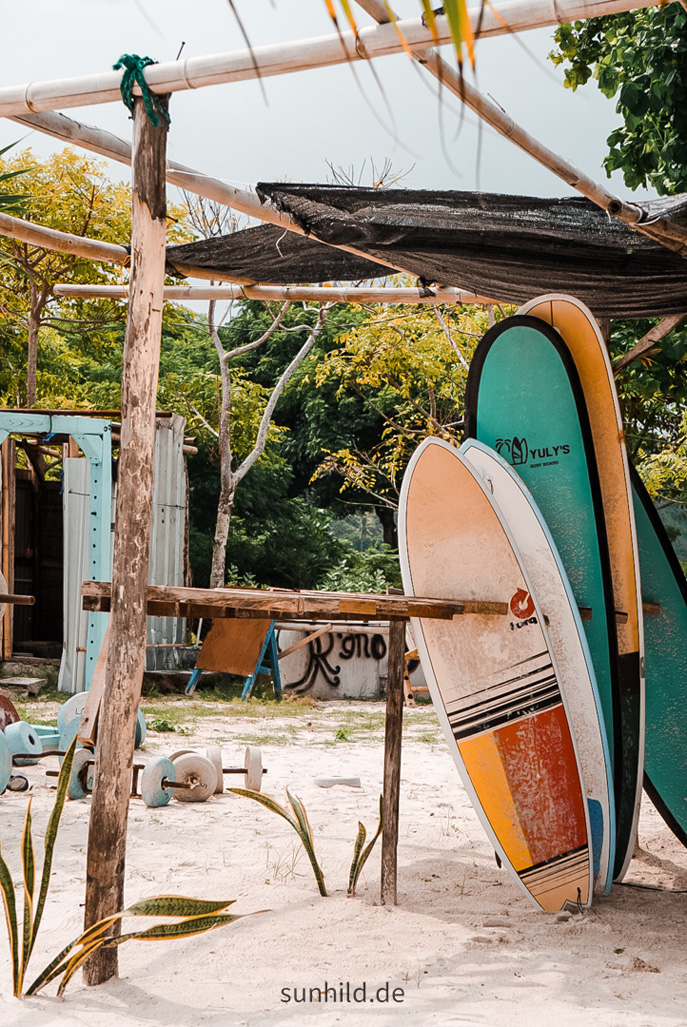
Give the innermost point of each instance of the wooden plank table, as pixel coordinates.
(295, 605)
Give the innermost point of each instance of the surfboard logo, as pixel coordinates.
(516, 448)
(522, 604)
(519, 451)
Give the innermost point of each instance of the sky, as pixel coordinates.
(302, 120)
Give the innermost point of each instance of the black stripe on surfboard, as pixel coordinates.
(540, 695)
(498, 682)
(557, 872)
(622, 769)
(681, 582)
(468, 729)
(501, 687)
(462, 707)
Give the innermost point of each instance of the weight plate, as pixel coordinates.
(68, 734)
(71, 709)
(253, 765)
(180, 752)
(75, 788)
(21, 737)
(5, 763)
(153, 792)
(198, 772)
(18, 783)
(214, 754)
(141, 730)
(8, 712)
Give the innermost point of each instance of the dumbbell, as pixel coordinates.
(252, 767)
(191, 779)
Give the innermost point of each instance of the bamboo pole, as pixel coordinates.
(281, 293)
(246, 201)
(63, 242)
(317, 52)
(127, 641)
(672, 236)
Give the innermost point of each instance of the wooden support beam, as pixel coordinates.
(280, 293)
(280, 604)
(648, 341)
(127, 641)
(393, 731)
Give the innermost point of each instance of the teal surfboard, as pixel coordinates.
(524, 399)
(665, 646)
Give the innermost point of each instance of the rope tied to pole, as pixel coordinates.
(133, 75)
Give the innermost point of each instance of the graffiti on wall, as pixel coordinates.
(324, 656)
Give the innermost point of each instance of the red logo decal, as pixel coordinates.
(521, 605)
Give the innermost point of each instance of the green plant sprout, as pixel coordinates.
(197, 915)
(297, 817)
(360, 854)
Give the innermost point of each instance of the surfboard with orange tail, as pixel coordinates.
(494, 680)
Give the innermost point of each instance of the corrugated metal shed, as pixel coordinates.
(168, 549)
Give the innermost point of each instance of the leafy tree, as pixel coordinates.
(68, 192)
(407, 366)
(641, 57)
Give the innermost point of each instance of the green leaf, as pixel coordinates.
(175, 905)
(29, 872)
(9, 902)
(50, 838)
(160, 932)
(306, 835)
(298, 820)
(357, 849)
(357, 867)
(268, 803)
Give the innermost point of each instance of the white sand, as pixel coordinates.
(463, 943)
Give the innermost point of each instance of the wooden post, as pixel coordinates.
(392, 758)
(127, 639)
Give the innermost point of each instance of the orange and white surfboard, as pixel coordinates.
(494, 680)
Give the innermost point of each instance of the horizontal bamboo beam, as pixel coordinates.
(63, 242)
(246, 201)
(277, 604)
(284, 58)
(281, 293)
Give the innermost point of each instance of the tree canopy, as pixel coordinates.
(640, 57)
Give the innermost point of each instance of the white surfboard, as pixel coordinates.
(569, 643)
(494, 680)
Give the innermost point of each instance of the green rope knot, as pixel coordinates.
(133, 75)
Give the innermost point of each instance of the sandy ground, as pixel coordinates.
(463, 946)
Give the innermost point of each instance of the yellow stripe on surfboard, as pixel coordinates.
(579, 334)
(483, 763)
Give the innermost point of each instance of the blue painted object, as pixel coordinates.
(268, 663)
(94, 437)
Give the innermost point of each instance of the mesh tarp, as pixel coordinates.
(509, 248)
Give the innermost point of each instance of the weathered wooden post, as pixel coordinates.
(127, 635)
(392, 758)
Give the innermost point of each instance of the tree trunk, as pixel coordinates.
(219, 545)
(32, 353)
(127, 641)
(390, 534)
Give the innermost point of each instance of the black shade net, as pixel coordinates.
(508, 248)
